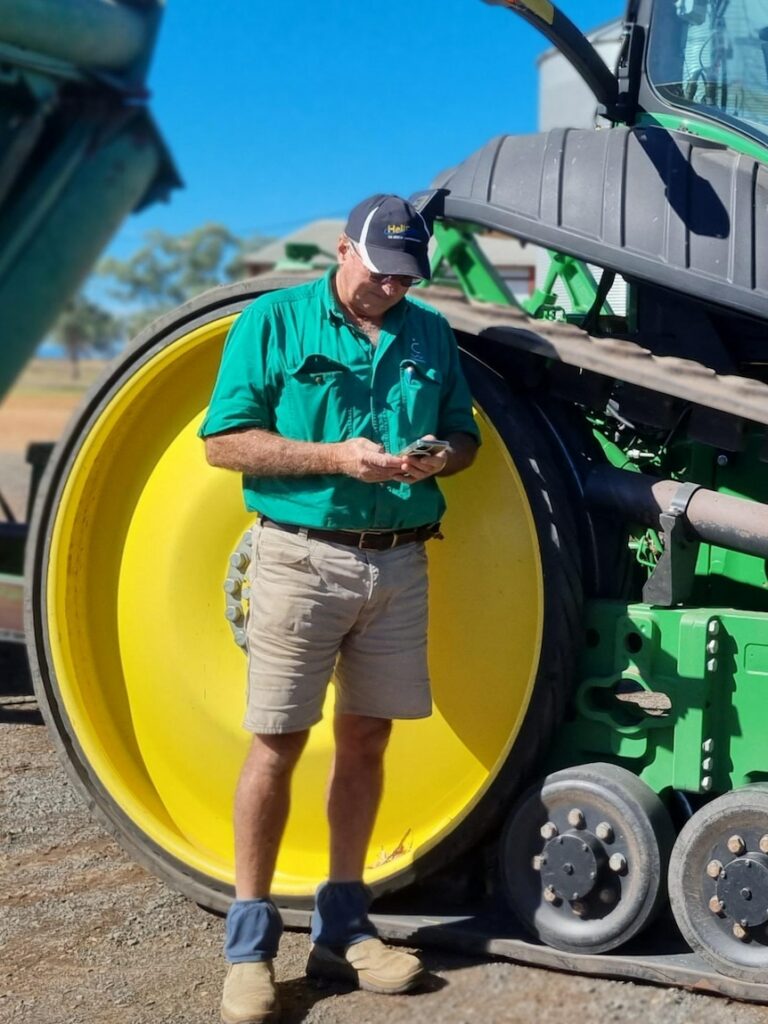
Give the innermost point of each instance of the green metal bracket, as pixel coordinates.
(458, 248)
(578, 281)
(676, 695)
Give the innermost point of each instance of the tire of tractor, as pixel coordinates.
(584, 856)
(718, 882)
(142, 683)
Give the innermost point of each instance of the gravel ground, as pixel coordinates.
(88, 936)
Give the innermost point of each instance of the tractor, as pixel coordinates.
(596, 758)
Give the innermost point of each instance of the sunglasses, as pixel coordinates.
(404, 280)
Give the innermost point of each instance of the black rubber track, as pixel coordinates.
(526, 437)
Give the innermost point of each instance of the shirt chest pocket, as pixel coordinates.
(421, 390)
(318, 390)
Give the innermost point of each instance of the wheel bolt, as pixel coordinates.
(579, 908)
(604, 832)
(736, 845)
(763, 844)
(716, 905)
(536, 862)
(714, 868)
(548, 830)
(740, 931)
(576, 818)
(618, 863)
(549, 894)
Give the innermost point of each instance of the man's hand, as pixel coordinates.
(415, 468)
(365, 460)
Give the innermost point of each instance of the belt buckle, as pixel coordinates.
(375, 547)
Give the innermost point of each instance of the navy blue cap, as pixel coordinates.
(391, 236)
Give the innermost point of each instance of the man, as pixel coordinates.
(320, 389)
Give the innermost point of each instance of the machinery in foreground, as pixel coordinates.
(78, 151)
(599, 611)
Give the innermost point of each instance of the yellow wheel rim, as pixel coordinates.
(152, 685)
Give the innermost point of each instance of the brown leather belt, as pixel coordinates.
(375, 540)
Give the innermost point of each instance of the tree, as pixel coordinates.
(169, 269)
(85, 327)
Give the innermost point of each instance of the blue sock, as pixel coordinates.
(341, 914)
(254, 928)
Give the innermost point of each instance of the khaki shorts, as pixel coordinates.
(316, 606)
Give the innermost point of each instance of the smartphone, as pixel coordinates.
(424, 446)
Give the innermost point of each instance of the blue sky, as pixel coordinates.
(278, 113)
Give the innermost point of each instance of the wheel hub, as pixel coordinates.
(571, 864)
(742, 889)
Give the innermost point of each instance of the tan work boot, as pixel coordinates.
(249, 994)
(369, 964)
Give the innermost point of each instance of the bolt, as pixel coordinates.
(549, 894)
(722, 460)
(536, 862)
(746, 894)
(712, 665)
(708, 745)
(736, 845)
(714, 868)
(579, 908)
(606, 896)
(240, 637)
(568, 869)
(713, 627)
(604, 832)
(707, 764)
(548, 830)
(706, 783)
(238, 560)
(713, 647)
(716, 905)
(576, 818)
(233, 586)
(763, 844)
(618, 863)
(234, 613)
(740, 931)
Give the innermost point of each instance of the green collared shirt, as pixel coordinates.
(293, 364)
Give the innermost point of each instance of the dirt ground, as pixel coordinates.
(88, 937)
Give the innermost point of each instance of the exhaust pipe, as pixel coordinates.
(711, 517)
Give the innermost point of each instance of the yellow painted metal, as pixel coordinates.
(153, 685)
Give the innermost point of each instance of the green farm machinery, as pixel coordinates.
(78, 152)
(599, 607)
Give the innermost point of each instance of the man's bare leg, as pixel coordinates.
(346, 946)
(354, 791)
(262, 802)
